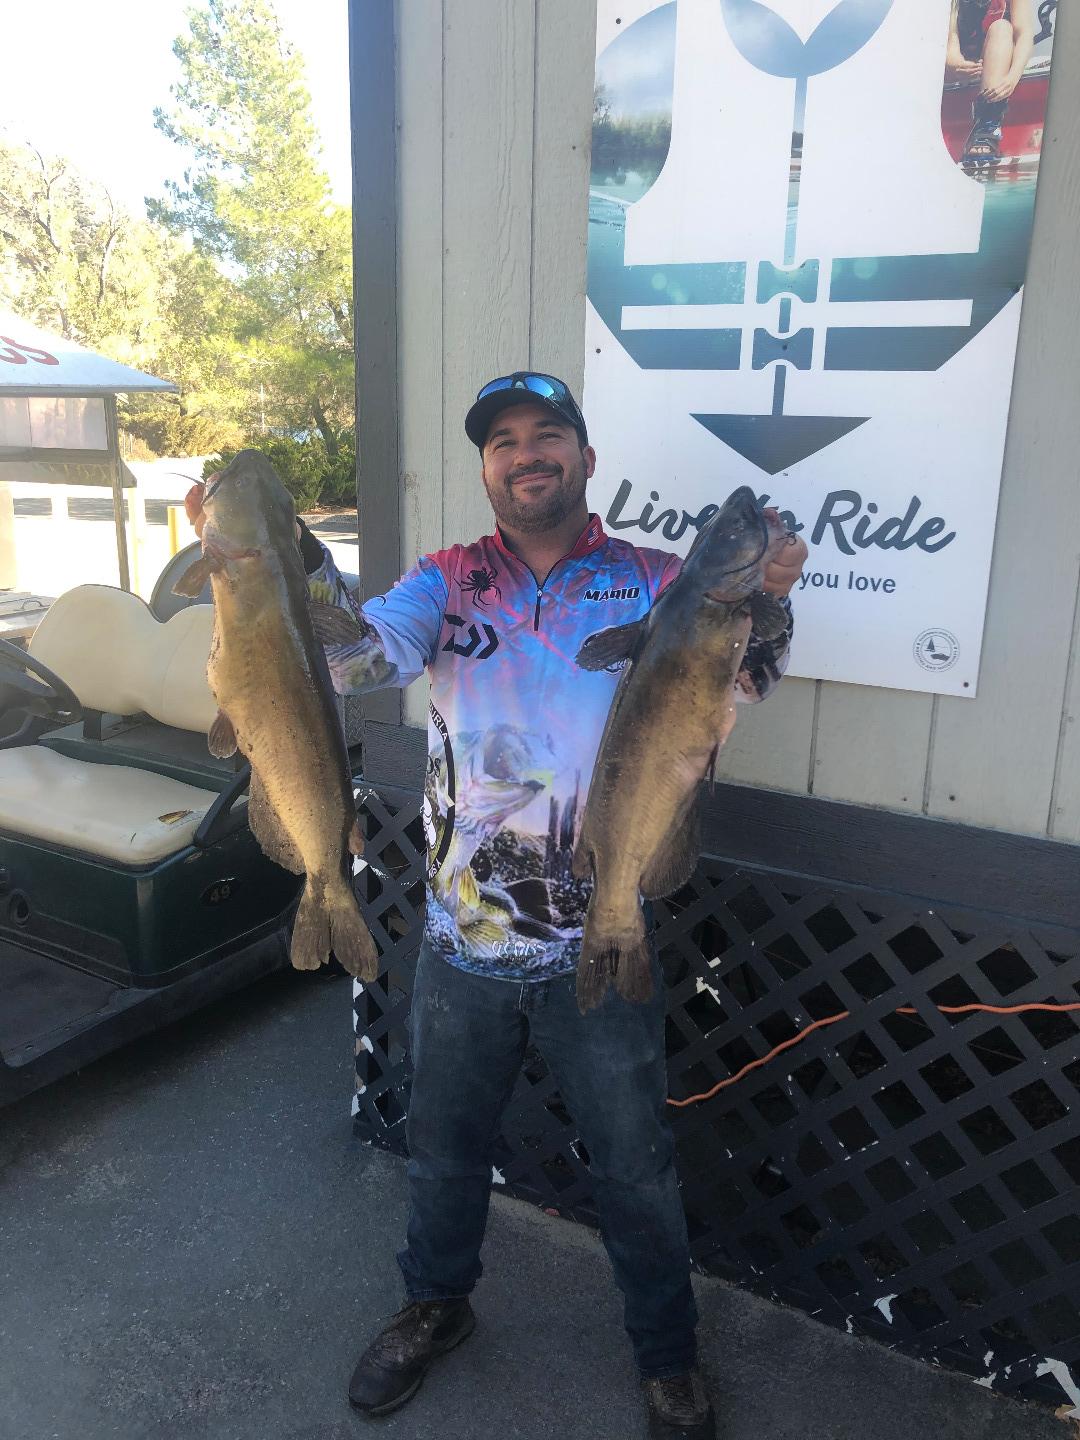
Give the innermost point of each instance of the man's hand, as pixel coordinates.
(193, 501)
(193, 505)
(781, 573)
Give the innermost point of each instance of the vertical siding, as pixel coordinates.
(420, 290)
(487, 226)
(495, 100)
(872, 742)
(1065, 806)
(994, 758)
(562, 125)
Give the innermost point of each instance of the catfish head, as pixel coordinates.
(728, 559)
(248, 514)
(247, 508)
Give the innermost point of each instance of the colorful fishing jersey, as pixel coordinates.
(515, 726)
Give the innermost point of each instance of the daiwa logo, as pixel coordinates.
(629, 592)
(841, 312)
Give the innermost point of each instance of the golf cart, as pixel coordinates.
(131, 889)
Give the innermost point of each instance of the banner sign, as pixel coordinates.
(809, 224)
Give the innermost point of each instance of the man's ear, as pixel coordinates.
(588, 454)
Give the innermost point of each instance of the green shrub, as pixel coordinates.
(311, 476)
(166, 432)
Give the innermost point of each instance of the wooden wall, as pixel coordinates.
(494, 105)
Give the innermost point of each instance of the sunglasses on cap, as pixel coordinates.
(548, 388)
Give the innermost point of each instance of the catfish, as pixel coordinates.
(268, 673)
(673, 709)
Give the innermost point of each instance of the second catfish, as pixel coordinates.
(673, 709)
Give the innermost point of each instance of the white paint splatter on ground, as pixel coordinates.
(884, 1304)
(497, 1177)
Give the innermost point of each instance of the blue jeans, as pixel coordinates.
(468, 1036)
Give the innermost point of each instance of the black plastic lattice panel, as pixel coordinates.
(911, 1176)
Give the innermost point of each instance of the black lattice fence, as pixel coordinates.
(902, 1172)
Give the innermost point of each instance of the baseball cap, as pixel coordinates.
(522, 387)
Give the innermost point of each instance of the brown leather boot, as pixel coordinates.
(390, 1370)
(678, 1408)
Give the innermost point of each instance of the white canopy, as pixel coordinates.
(33, 362)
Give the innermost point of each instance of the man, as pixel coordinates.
(515, 727)
(990, 43)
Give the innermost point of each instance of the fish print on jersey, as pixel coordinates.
(514, 728)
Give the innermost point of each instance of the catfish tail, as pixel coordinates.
(330, 919)
(621, 957)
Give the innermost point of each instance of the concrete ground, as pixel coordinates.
(193, 1245)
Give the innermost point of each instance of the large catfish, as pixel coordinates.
(673, 709)
(268, 674)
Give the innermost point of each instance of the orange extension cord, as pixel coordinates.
(843, 1015)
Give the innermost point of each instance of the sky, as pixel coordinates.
(83, 79)
(637, 68)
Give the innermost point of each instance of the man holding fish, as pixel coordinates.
(558, 656)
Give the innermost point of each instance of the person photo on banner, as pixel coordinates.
(990, 43)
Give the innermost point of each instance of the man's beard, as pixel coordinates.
(534, 517)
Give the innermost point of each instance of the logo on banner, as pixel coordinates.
(631, 140)
(936, 650)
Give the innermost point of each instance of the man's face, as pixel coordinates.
(534, 468)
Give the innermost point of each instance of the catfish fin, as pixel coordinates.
(581, 863)
(335, 626)
(676, 859)
(768, 618)
(221, 741)
(622, 959)
(609, 647)
(710, 769)
(265, 824)
(310, 944)
(350, 938)
(195, 576)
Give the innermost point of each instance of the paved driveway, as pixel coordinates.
(192, 1245)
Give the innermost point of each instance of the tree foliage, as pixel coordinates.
(76, 263)
(237, 283)
(256, 200)
(309, 473)
(72, 259)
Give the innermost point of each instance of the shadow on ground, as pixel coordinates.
(193, 1245)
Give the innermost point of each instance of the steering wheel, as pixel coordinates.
(46, 695)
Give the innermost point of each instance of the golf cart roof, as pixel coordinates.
(33, 362)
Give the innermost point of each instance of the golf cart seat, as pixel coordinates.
(132, 890)
(107, 646)
(111, 811)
